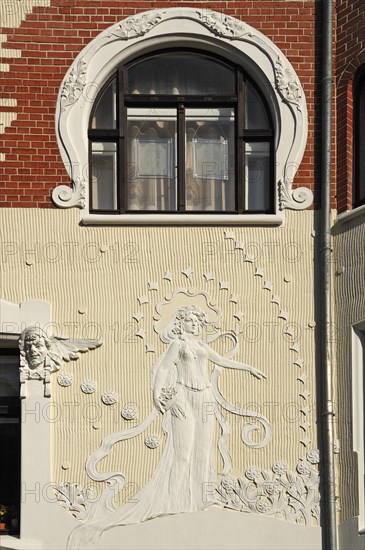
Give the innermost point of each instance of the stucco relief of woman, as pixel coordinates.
(191, 420)
(188, 396)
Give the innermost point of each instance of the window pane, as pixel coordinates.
(256, 116)
(209, 159)
(360, 183)
(105, 114)
(104, 176)
(257, 162)
(181, 74)
(9, 376)
(151, 158)
(10, 427)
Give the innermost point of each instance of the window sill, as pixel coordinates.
(351, 214)
(10, 542)
(181, 219)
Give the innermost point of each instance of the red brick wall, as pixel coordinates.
(50, 38)
(350, 54)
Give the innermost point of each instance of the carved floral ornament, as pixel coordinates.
(292, 496)
(270, 69)
(129, 411)
(88, 386)
(279, 492)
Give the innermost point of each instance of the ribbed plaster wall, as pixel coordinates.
(93, 277)
(349, 242)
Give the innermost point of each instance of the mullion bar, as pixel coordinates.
(257, 135)
(122, 142)
(240, 156)
(91, 199)
(102, 135)
(161, 100)
(272, 190)
(181, 158)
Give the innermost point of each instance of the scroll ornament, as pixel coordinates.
(294, 199)
(70, 197)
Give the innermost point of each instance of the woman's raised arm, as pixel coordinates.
(229, 364)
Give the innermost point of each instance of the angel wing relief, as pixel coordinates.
(40, 355)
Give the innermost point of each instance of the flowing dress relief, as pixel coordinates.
(184, 477)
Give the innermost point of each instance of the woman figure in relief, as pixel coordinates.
(191, 406)
(183, 391)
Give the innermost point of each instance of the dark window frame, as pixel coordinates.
(181, 103)
(358, 182)
(11, 407)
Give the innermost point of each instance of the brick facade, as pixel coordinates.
(49, 38)
(260, 276)
(350, 55)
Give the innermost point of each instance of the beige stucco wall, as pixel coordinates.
(349, 239)
(93, 277)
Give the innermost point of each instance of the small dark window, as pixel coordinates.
(10, 438)
(359, 139)
(181, 132)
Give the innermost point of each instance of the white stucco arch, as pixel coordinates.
(208, 30)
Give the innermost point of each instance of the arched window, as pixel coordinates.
(181, 116)
(358, 193)
(181, 131)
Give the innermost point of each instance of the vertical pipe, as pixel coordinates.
(325, 284)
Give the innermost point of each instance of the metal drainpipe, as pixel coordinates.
(330, 524)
